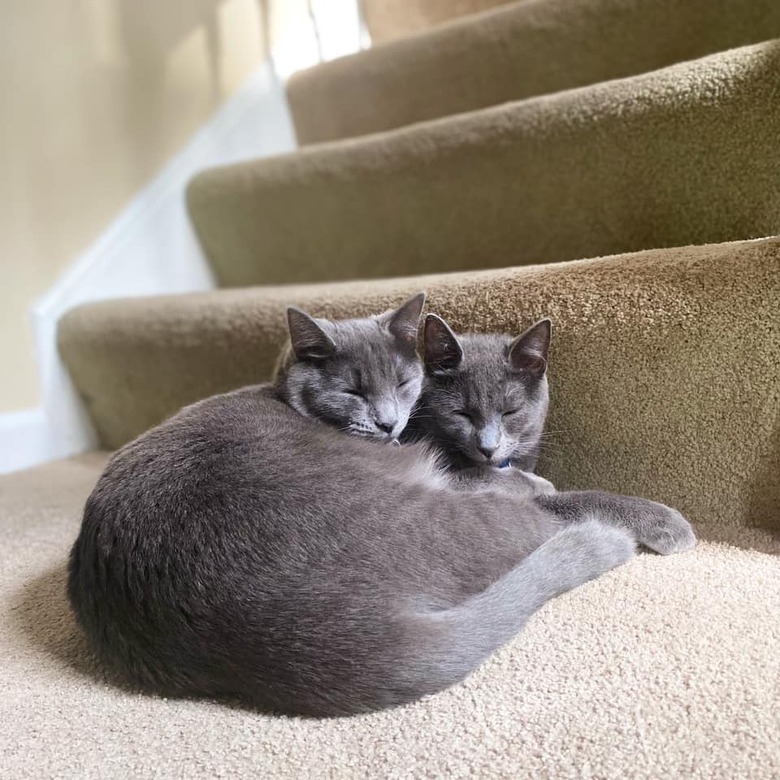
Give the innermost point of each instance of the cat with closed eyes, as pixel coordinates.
(484, 404)
(267, 545)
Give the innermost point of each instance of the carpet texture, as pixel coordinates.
(667, 667)
(684, 155)
(665, 367)
(388, 19)
(531, 48)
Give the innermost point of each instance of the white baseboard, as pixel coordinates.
(25, 439)
(149, 249)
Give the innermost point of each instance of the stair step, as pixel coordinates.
(684, 155)
(665, 366)
(398, 18)
(515, 52)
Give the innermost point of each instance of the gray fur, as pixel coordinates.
(247, 548)
(484, 376)
(485, 397)
(362, 376)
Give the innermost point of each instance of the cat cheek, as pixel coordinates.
(355, 410)
(465, 430)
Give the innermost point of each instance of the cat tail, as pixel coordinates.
(461, 638)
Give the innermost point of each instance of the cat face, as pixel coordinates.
(485, 397)
(362, 376)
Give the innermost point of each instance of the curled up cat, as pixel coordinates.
(266, 545)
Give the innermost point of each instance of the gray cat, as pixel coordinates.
(484, 405)
(246, 548)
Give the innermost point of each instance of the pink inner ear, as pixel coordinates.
(527, 361)
(408, 339)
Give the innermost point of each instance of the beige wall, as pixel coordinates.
(95, 96)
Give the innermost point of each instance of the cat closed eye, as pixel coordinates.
(510, 412)
(461, 413)
(354, 392)
(403, 384)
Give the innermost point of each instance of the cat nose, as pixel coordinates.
(387, 426)
(488, 439)
(488, 452)
(385, 414)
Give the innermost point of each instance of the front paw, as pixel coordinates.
(667, 531)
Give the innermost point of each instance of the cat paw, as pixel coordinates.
(667, 533)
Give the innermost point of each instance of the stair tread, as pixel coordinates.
(679, 156)
(514, 52)
(671, 652)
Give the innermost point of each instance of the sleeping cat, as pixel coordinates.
(248, 548)
(485, 396)
(484, 404)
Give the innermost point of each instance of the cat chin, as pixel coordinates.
(363, 434)
(494, 462)
(499, 461)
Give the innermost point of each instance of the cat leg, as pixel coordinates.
(457, 640)
(655, 526)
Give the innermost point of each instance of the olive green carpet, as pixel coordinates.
(683, 155)
(665, 367)
(534, 47)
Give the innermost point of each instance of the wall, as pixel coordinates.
(96, 95)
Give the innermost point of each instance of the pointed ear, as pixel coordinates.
(404, 321)
(309, 341)
(528, 352)
(443, 351)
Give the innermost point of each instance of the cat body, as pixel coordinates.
(311, 585)
(248, 548)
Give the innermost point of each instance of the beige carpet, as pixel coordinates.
(666, 668)
(683, 155)
(534, 47)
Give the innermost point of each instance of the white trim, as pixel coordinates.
(24, 438)
(149, 249)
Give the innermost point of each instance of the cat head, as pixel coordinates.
(362, 376)
(485, 397)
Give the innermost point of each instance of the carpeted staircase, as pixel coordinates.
(643, 134)
(516, 51)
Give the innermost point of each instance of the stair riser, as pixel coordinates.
(682, 156)
(664, 370)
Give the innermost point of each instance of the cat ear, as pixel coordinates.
(443, 351)
(404, 322)
(528, 352)
(309, 341)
